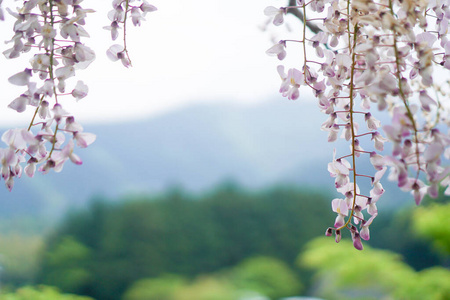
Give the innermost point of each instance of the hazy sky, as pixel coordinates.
(186, 52)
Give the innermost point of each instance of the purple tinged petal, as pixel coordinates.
(280, 70)
(333, 133)
(30, 169)
(347, 133)
(433, 152)
(44, 111)
(433, 190)
(284, 87)
(334, 41)
(81, 90)
(10, 183)
(146, 7)
(335, 204)
(378, 175)
(136, 16)
(413, 73)
(447, 48)
(21, 78)
(13, 138)
(402, 177)
(344, 60)
(329, 72)
(113, 51)
(341, 180)
(75, 159)
(426, 101)
(125, 61)
(372, 209)
(357, 241)
(65, 72)
(418, 195)
(59, 165)
(84, 139)
(319, 52)
(271, 11)
(297, 76)
(61, 85)
(278, 19)
(343, 208)
(426, 37)
(293, 93)
(365, 233)
(17, 170)
(11, 157)
(117, 3)
(278, 50)
(378, 189)
(391, 132)
(19, 104)
(340, 221)
(443, 26)
(377, 161)
(427, 78)
(372, 123)
(5, 172)
(27, 137)
(58, 112)
(72, 126)
(338, 236)
(114, 33)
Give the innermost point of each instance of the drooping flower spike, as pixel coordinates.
(52, 34)
(359, 57)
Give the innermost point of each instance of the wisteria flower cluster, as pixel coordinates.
(366, 55)
(122, 10)
(51, 33)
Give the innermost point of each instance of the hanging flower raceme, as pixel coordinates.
(122, 11)
(52, 34)
(362, 56)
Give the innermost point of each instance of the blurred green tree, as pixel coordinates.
(264, 276)
(399, 231)
(267, 276)
(178, 233)
(40, 293)
(161, 288)
(19, 258)
(433, 222)
(208, 288)
(181, 234)
(67, 265)
(370, 274)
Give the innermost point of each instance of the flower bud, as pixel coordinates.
(337, 236)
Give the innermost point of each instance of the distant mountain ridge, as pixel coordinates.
(196, 147)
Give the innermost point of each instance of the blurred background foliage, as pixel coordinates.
(371, 274)
(182, 234)
(40, 293)
(228, 244)
(433, 222)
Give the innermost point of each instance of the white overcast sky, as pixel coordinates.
(186, 52)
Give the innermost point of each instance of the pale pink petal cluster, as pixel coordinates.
(53, 33)
(122, 11)
(368, 56)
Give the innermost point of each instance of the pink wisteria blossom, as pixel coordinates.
(359, 57)
(276, 13)
(53, 36)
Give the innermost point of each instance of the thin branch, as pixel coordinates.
(313, 27)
